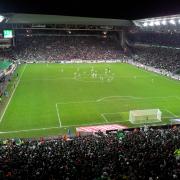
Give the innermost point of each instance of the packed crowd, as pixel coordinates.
(161, 58)
(142, 154)
(66, 48)
(155, 38)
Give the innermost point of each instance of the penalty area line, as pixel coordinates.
(12, 94)
(104, 117)
(173, 114)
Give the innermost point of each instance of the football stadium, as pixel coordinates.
(84, 98)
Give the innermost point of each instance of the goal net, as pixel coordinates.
(145, 116)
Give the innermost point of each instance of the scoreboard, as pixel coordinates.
(6, 38)
(8, 33)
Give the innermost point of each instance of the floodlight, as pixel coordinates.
(164, 22)
(151, 23)
(172, 22)
(1, 18)
(157, 23)
(145, 24)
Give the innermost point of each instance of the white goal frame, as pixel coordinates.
(145, 116)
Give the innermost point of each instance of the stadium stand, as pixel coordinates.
(158, 57)
(67, 48)
(171, 39)
(139, 154)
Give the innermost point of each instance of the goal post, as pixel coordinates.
(145, 116)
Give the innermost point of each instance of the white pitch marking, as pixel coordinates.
(171, 113)
(104, 117)
(177, 97)
(12, 94)
(89, 124)
(27, 130)
(38, 129)
(115, 112)
(133, 97)
(109, 97)
(75, 102)
(57, 110)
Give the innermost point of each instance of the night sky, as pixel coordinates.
(119, 9)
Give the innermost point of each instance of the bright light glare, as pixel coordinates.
(172, 21)
(145, 24)
(1, 18)
(164, 22)
(179, 21)
(157, 23)
(151, 23)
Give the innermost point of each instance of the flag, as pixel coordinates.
(120, 135)
(177, 152)
(5, 142)
(77, 133)
(18, 141)
(65, 137)
(42, 140)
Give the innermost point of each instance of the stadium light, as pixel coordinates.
(157, 23)
(1, 18)
(172, 21)
(145, 24)
(151, 23)
(164, 22)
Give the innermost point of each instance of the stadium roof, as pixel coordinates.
(161, 19)
(14, 18)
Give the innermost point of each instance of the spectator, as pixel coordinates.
(140, 154)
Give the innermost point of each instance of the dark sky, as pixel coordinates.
(120, 9)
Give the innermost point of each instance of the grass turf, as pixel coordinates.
(50, 98)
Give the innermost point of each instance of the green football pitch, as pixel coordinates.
(48, 99)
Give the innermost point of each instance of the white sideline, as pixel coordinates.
(12, 94)
(58, 115)
(27, 130)
(87, 124)
(38, 129)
